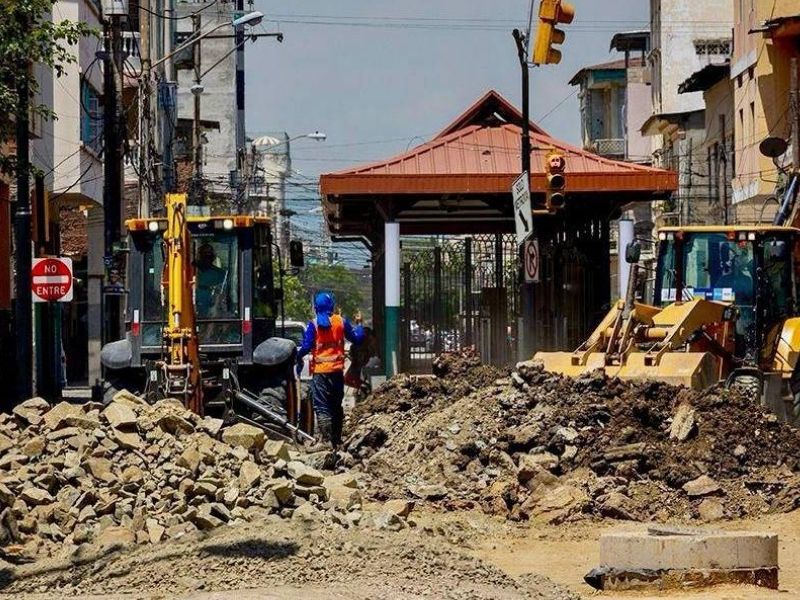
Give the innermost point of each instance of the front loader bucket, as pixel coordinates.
(696, 370)
(567, 363)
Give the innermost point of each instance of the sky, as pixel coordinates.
(380, 76)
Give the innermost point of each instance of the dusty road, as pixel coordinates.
(449, 555)
(565, 554)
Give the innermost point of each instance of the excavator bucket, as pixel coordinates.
(696, 370)
(646, 343)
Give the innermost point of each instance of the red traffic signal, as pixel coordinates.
(555, 165)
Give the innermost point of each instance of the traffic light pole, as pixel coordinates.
(525, 336)
(519, 38)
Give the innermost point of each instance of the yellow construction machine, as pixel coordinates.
(201, 320)
(722, 306)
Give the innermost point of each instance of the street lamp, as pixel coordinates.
(250, 19)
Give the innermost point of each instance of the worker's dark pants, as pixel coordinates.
(327, 393)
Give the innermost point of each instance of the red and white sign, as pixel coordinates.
(51, 279)
(531, 258)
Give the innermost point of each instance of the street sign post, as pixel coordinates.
(523, 212)
(51, 279)
(531, 257)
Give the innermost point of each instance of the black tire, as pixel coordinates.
(749, 386)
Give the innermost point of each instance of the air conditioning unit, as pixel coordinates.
(115, 8)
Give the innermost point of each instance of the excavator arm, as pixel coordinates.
(183, 371)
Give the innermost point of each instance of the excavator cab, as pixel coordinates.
(750, 268)
(233, 291)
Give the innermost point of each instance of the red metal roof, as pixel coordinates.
(480, 153)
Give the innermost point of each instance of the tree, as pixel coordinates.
(299, 290)
(297, 301)
(29, 36)
(337, 279)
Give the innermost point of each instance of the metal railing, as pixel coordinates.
(130, 49)
(609, 147)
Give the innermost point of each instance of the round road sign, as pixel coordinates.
(51, 279)
(532, 261)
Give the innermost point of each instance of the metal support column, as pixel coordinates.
(392, 300)
(469, 311)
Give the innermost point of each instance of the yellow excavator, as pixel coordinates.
(201, 321)
(722, 306)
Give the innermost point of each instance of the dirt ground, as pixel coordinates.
(447, 555)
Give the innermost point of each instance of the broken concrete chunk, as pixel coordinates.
(276, 449)
(119, 415)
(249, 475)
(303, 474)
(33, 496)
(399, 507)
(684, 424)
(247, 436)
(702, 486)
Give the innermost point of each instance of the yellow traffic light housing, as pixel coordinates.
(551, 13)
(555, 165)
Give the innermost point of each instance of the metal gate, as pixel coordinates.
(458, 292)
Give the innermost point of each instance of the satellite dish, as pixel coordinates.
(773, 147)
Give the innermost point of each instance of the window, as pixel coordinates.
(216, 262)
(91, 118)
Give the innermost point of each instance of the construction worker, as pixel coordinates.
(324, 338)
(211, 282)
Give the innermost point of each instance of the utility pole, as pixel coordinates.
(525, 329)
(241, 155)
(112, 185)
(197, 90)
(23, 307)
(145, 114)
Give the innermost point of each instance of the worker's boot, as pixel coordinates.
(323, 434)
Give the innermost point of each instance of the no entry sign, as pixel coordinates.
(531, 258)
(51, 279)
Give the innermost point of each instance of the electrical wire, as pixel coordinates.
(176, 18)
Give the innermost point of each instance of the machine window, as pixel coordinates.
(216, 261)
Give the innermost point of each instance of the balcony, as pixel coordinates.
(611, 148)
(130, 49)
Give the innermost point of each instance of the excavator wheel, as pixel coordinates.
(748, 383)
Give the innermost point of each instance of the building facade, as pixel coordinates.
(685, 37)
(766, 34)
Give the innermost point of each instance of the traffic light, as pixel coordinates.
(551, 13)
(555, 164)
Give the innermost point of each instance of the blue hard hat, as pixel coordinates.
(324, 302)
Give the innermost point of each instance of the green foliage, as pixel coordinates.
(28, 36)
(297, 299)
(300, 290)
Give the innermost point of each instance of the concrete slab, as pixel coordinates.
(690, 550)
(673, 558)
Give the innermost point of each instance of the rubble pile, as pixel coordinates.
(131, 472)
(540, 446)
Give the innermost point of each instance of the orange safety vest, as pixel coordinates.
(328, 352)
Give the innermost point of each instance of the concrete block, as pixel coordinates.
(689, 551)
(667, 557)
